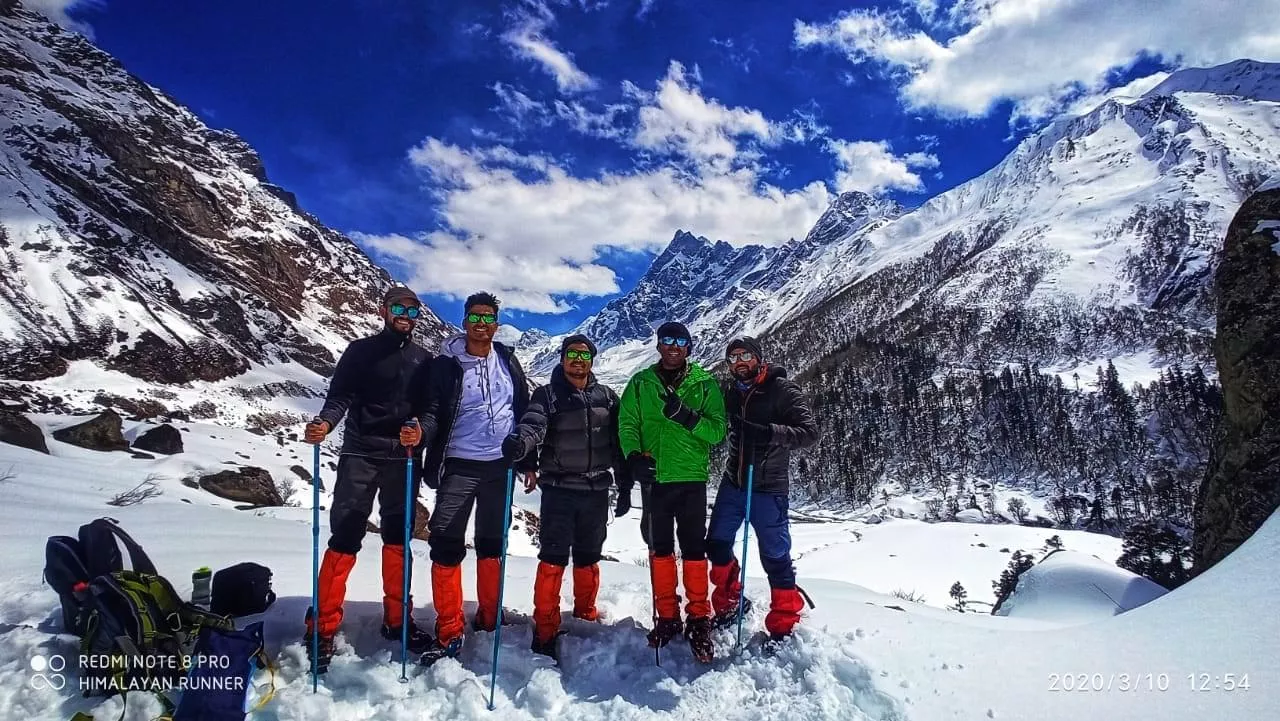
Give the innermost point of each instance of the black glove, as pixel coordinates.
(624, 502)
(756, 434)
(512, 448)
(643, 469)
(675, 409)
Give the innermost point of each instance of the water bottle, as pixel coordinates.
(201, 590)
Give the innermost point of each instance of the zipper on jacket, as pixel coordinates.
(742, 446)
(586, 407)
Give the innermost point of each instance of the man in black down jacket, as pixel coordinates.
(379, 385)
(574, 420)
(477, 393)
(768, 417)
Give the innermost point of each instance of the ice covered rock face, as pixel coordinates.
(134, 236)
(1242, 489)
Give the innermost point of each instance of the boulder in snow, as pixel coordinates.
(250, 485)
(16, 430)
(100, 433)
(971, 515)
(1074, 587)
(162, 439)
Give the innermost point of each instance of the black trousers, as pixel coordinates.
(675, 511)
(464, 485)
(360, 479)
(572, 521)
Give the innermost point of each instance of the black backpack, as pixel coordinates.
(71, 563)
(242, 590)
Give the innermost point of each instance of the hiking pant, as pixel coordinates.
(572, 521)
(359, 480)
(678, 511)
(768, 520)
(466, 484)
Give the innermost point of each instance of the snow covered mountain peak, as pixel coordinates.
(1245, 78)
(143, 250)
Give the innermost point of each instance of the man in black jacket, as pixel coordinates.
(768, 418)
(379, 385)
(574, 420)
(477, 393)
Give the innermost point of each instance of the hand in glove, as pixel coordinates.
(623, 506)
(316, 431)
(675, 409)
(410, 434)
(512, 448)
(756, 434)
(643, 469)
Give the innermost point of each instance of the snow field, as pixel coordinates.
(856, 656)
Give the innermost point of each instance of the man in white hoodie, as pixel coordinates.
(477, 394)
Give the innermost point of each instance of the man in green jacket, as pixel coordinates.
(671, 414)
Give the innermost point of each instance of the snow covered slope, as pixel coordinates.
(717, 290)
(859, 655)
(138, 242)
(1094, 238)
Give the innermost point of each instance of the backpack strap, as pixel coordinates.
(138, 558)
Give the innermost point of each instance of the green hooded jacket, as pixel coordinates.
(680, 455)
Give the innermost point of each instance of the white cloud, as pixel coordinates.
(872, 167)
(57, 11)
(678, 120)
(588, 122)
(520, 109)
(1041, 54)
(528, 40)
(645, 7)
(526, 223)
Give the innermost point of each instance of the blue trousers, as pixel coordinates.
(768, 521)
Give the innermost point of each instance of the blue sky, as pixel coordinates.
(547, 149)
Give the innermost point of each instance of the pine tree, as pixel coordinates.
(1019, 563)
(960, 595)
(1053, 543)
(1154, 550)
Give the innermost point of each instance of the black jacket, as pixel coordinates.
(779, 403)
(380, 382)
(444, 394)
(577, 431)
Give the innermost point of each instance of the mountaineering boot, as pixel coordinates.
(325, 646)
(546, 603)
(436, 651)
(392, 606)
(446, 593)
(549, 648)
(664, 629)
(727, 580)
(488, 579)
(698, 632)
(586, 585)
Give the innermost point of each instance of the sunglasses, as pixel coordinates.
(409, 311)
(668, 340)
(578, 355)
(486, 318)
(745, 356)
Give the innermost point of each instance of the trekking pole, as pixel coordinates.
(502, 582)
(408, 543)
(315, 572)
(746, 533)
(653, 586)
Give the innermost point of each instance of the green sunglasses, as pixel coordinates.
(578, 355)
(486, 318)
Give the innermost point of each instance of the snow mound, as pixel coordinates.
(1074, 587)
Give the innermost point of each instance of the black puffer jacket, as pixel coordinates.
(779, 403)
(577, 431)
(444, 394)
(380, 383)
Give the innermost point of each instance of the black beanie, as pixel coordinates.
(400, 294)
(573, 339)
(675, 330)
(746, 342)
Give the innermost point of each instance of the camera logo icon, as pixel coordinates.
(47, 672)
